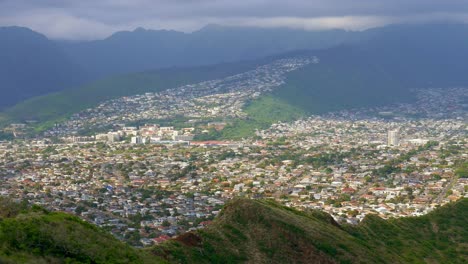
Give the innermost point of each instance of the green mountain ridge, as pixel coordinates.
(262, 231)
(246, 231)
(34, 235)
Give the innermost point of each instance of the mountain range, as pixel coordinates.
(357, 69)
(142, 50)
(382, 69)
(33, 65)
(367, 68)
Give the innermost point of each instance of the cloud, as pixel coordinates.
(91, 19)
(315, 23)
(59, 25)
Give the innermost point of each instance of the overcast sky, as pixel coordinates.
(97, 19)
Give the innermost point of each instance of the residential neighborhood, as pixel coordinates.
(141, 173)
(148, 192)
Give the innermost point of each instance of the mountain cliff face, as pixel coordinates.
(32, 65)
(382, 68)
(246, 231)
(142, 50)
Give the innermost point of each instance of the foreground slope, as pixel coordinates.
(246, 231)
(33, 235)
(255, 231)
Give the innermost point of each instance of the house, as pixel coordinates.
(161, 239)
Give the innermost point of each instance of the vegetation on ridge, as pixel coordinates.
(263, 231)
(34, 235)
(251, 231)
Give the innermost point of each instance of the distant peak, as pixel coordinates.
(18, 29)
(21, 31)
(140, 29)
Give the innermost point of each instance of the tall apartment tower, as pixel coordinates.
(393, 138)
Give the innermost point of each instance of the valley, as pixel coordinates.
(234, 144)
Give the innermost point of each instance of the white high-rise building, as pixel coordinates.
(393, 138)
(136, 140)
(113, 137)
